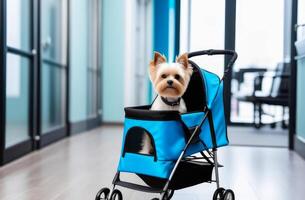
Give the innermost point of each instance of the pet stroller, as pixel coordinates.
(184, 145)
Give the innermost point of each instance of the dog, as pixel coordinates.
(170, 81)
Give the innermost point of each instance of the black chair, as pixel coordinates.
(278, 95)
(239, 76)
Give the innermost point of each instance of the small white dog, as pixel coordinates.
(170, 81)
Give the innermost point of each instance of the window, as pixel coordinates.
(207, 24)
(259, 43)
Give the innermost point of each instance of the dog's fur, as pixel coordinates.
(170, 81)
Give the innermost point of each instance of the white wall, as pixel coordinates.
(78, 60)
(138, 51)
(113, 60)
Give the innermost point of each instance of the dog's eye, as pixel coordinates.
(163, 76)
(177, 76)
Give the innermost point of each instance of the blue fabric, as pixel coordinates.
(192, 120)
(214, 98)
(215, 102)
(219, 120)
(169, 140)
(211, 82)
(142, 164)
(169, 136)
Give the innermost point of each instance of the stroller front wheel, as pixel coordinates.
(116, 195)
(219, 194)
(103, 194)
(229, 195)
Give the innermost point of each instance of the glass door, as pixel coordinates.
(53, 70)
(260, 46)
(259, 92)
(206, 29)
(19, 71)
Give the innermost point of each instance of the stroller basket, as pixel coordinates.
(185, 176)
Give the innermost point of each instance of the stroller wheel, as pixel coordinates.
(229, 195)
(116, 195)
(219, 194)
(102, 194)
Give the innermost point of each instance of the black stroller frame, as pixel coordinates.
(210, 159)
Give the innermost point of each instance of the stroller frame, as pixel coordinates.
(165, 191)
(196, 131)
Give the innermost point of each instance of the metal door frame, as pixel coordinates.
(59, 132)
(24, 147)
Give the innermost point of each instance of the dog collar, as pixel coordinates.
(171, 103)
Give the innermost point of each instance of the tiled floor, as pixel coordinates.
(264, 136)
(75, 168)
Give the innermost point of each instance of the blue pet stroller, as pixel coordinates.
(184, 145)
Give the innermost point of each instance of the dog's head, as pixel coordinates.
(170, 79)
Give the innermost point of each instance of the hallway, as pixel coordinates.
(77, 167)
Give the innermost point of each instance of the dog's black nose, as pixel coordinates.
(170, 82)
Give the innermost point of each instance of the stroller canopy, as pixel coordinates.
(202, 89)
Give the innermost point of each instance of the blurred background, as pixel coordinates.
(72, 65)
(69, 66)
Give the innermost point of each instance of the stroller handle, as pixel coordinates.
(212, 52)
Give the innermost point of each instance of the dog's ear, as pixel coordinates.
(184, 60)
(158, 58)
